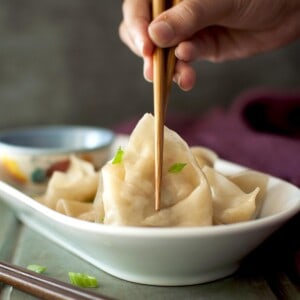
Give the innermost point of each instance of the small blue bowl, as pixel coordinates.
(29, 156)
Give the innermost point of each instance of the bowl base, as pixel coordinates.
(171, 280)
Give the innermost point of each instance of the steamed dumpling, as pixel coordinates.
(80, 210)
(79, 183)
(247, 181)
(204, 156)
(231, 203)
(126, 189)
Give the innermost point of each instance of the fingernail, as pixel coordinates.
(139, 43)
(181, 55)
(177, 78)
(145, 69)
(161, 32)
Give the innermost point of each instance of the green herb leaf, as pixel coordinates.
(176, 168)
(83, 280)
(36, 268)
(118, 156)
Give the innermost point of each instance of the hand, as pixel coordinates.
(216, 31)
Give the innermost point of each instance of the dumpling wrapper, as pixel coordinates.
(230, 203)
(204, 156)
(79, 183)
(80, 210)
(247, 181)
(126, 189)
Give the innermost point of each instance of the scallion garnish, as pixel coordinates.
(83, 280)
(36, 268)
(118, 156)
(176, 168)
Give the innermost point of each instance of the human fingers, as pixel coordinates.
(182, 21)
(134, 27)
(127, 39)
(148, 68)
(219, 44)
(185, 75)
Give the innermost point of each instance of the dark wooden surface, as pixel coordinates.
(270, 272)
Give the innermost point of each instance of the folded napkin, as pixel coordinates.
(261, 130)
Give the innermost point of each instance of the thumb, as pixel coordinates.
(182, 21)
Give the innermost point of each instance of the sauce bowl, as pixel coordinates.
(29, 156)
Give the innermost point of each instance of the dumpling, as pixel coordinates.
(126, 189)
(79, 183)
(231, 203)
(80, 210)
(204, 156)
(247, 181)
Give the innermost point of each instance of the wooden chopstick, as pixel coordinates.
(42, 286)
(164, 61)
(159, 106)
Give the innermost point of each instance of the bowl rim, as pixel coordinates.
(168, 233)
(178, 232)
(108, 136)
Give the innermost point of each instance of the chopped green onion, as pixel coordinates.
(37, 268)
(83, 280)
(118, 156)
(176, 168)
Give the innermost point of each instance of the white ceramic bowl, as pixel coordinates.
(29, 156)
(162, 256)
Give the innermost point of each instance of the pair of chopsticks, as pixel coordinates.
(163, 70)
(42, 286)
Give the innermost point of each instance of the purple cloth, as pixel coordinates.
(261, 130)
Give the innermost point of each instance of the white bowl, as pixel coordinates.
(162, 256)
(29, 156)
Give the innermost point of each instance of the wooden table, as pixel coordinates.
(268, 273)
